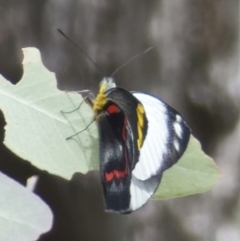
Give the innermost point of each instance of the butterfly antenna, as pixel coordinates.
(74, 44)
(129, 61)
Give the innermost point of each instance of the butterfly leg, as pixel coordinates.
(79, 106)
(87, 98)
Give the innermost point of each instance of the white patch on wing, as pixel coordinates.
(178, 129)
(178, 118)
(155, 144)
(176, 144)
(141, 191)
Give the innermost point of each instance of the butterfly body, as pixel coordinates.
(140, 136)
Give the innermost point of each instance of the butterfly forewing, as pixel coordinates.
(166, 139)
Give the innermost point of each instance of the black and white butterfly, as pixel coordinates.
(140, 137)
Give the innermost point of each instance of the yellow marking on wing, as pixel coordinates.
(140, 125)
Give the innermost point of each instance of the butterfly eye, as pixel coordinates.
(112, 109)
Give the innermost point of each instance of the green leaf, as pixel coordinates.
(23, 215)
(37, 131)
(194, 173)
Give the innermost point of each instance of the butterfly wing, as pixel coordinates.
(119, 146)
(115, 160)
(166, 140)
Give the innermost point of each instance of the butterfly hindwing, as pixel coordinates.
(118, 148)
(114, 161)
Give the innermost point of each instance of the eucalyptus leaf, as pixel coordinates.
(37, 131)
(36, 128)
(23, 215)
(194, 173)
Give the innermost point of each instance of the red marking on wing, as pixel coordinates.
(112, 109)
(109, 176)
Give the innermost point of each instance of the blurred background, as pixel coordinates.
(194, 67)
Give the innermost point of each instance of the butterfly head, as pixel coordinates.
(101, 99)
(106, 84)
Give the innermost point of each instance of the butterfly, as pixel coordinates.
(140, 136)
